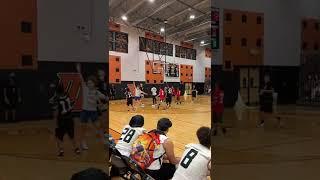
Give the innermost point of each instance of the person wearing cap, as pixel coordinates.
(12, 97)
(159, 169)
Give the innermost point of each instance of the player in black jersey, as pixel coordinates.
(65, 125)
(169, 93)
(129, 98)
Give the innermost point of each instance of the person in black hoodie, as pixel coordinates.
(266, 101)
(12, 97)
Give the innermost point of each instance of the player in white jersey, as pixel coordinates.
(129, 134)
(138, 95)
(154, 95)
(195, 163)
(160, 170)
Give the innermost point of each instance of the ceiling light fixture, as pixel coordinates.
(151, 1)
(162, 29)
(202, 42)
(192, 16)
(124, 17)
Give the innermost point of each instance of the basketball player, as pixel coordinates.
(112, 92)
(159, 169)
(129, 98)
(217, 109)
(178, 95)
(154, 95)
(195, 163)
(138, 94)
(174, 91)
(169, 96)
(194, 93)
(91, 97)
(65, 124)
(103, 105)
(162, 97)
(12, 97)
(130, 133)
(266, 101)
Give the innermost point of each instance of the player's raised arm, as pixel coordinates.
(78, 67)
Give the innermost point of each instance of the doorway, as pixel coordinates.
(249, 85)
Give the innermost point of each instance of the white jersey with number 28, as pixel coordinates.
(128, 136)
(194, 163)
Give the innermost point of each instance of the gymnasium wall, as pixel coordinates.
(310, 8)
(133, 62)
(18, 34)
(282, 27)
(72, 30)
(63, 32)
(35, 86)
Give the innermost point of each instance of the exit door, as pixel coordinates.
(249, 85)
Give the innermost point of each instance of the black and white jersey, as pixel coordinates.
(194, 163)
(64, 106)
(129, 135)
(169, 91)
(128, 95)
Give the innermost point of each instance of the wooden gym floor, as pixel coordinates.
(293, 152)
(186, 118)
(247, 152)
(28, 152)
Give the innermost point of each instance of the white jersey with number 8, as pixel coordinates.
(129, 135)
(194, 163)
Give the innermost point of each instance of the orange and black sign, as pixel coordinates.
(72, 84)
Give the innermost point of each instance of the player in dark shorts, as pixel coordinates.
(12, 97)
(102, 104)
(65, 123)
(112, 92)
(169, 97)
(266, 102)
(194, 93)
(129, 98)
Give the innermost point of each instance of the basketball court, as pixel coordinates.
(160, 43)
(248, 152)
(147, 57)
(186, 119)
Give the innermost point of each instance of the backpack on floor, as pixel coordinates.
(143, 149)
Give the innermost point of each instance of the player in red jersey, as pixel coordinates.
(178, 95)
(218, 108)
(162, 97)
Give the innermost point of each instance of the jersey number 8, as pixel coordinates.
(188, 158)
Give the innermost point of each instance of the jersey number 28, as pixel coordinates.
(127, 135)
